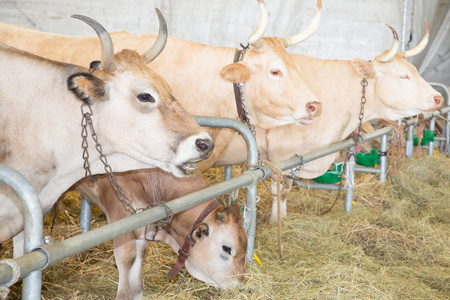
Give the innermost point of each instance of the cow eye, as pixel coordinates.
(145, 97)
(276, 72)
(226, 249)
(404, 76)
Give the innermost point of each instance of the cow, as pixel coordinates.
(138, 123)
(202, 76)
(395, 90)
(218, 255)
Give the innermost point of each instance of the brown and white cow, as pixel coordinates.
(218, 255)
(137, 120)
(395, 90)
(202, 76)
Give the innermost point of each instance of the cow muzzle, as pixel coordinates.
(313, 110)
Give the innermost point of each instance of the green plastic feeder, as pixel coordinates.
(428, 136)
(368, 159)
(331, 176)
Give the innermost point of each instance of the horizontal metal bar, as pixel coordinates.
(319, 186)
(367, 170)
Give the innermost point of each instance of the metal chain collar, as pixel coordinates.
(357, 138)
(86, 121)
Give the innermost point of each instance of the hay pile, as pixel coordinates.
(394, 245)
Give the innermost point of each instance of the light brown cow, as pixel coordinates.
(218, 255)
(137, 120)
(201, 75)
(395, 90)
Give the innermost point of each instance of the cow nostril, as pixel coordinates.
(439, 100)
(314, 108)
(202, 144)
(310, 107)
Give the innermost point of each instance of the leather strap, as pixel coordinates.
(183, 252)
(237, 93)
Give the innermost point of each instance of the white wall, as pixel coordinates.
(349, 28)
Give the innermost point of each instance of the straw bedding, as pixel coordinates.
(394, 245)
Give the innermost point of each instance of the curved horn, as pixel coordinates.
(388, 55)
(308, 32)
(105, 41)
(160, 42)
(419, 48)
(255, 38)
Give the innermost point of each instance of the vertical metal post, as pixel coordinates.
(228, 172)
(447, 135)
(383, 158)
(410, 142)
(349, 179)
(85, 214)
(33, 230)
(431, 144)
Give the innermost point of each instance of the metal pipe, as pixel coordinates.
(410, 142)
(367, 170)
(383, 158)
(404, 22)
(319, 186)
(431, 143)
(85, 214)
(228, 172)
(50, 254)
(349, 179)
(33, 228)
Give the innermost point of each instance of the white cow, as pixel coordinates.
(138, 122)
(202, 76)
(395, 90)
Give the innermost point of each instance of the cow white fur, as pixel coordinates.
(138, 122)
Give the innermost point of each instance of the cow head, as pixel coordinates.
(274, 92)
(218, 255)
(396, 84)
(135, 111)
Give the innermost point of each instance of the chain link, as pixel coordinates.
(357, 138)
(86, 122)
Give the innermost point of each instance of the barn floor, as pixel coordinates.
(395, 245)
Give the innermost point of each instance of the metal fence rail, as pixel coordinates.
(54, 252)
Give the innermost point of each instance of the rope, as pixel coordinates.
(395, 162)
(4, 288)
(277, 176)
(420, 129)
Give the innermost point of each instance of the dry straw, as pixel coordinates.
(394, 245)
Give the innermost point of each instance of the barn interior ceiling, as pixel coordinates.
(349, 28)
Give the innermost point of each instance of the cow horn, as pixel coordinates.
(255, 39)
(160, 42)
(105, 41)
(388, 55)
(419, 48)
(308, 32)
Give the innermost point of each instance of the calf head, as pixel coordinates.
(150, 124)
(398, 89)
(218, 255)
(274, 92)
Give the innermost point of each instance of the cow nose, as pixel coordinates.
(439, 101)
(205, 146)
(314, 109)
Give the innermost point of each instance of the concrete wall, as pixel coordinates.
(349, 28)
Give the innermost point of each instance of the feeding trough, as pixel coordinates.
(428, 136)
(368, 159)
(331, 176)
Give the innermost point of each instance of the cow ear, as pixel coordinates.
(235, 72)
(200, 232)
(363, 67)
(87, 87)
(222, 217)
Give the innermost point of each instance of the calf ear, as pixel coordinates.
(235, 72)
(200, 232)
(87, 87)
(363, 67)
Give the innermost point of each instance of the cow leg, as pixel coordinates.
(19, 244)
(125, 255)
(135, 274)
(286, 186)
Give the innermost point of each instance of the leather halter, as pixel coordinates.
(237, 93)
(183, 252)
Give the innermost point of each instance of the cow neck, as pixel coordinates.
(183, 252)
